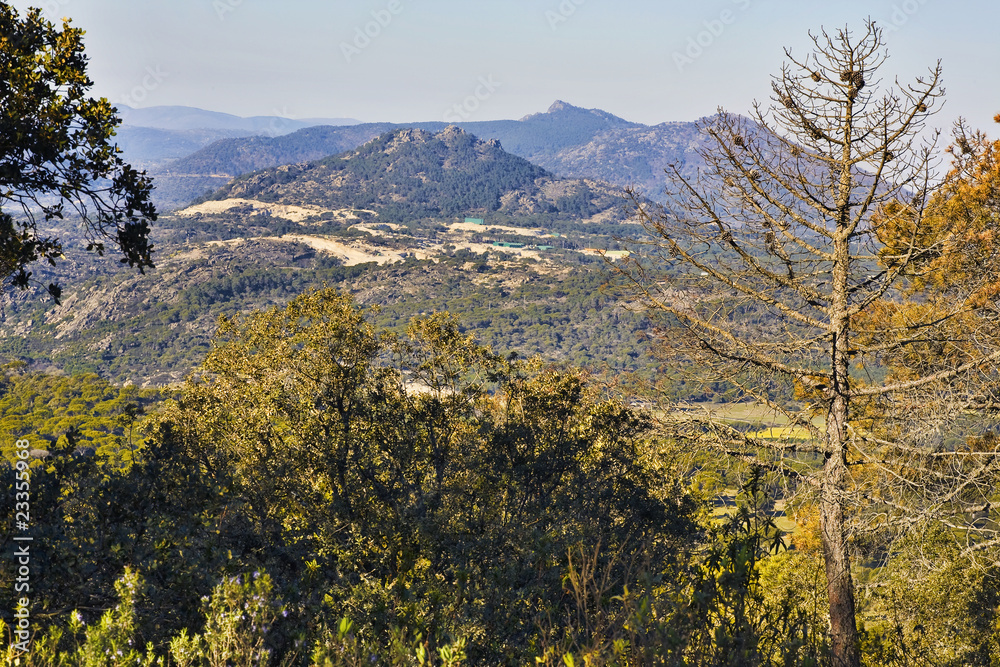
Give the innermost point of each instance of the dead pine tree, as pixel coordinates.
(772, 270)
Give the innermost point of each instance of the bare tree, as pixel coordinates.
(790, 268)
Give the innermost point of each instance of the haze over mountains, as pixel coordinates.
(154, 136)
(411, 221)
(183, 118)
(566, 140)
(409, 174)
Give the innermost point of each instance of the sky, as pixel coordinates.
(418, 60)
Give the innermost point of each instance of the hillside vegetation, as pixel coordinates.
(566, 140)
(383, 222)
(401, 396)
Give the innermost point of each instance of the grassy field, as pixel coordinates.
(781, 433)
(758, 421)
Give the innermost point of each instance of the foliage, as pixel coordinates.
(91, 412)
(723, 607)
(773, 255)
(327, 492)
(934, 606)
(420, 485)
(400, 495)
(959, 225)
(57, 153)
(238, 618)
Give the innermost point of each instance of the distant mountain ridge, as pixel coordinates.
(566, 140)
(151, 137)
(533, 137)
(183, 118)
(412, 173)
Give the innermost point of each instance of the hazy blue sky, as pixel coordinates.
(639, 59)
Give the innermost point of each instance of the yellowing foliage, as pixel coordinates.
(953, 245)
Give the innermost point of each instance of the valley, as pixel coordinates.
(412, 222)
(566, 389)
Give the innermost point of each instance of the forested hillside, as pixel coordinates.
(425, 496)
(424, 402)
(383, 222)
(566, 140)
(159, 327)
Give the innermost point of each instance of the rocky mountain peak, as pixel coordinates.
(450, 132)
(559, 105)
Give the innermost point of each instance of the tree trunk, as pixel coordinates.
(845, 651)
(840, 586)
(788, 217)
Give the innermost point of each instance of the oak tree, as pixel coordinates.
(431, 479)
(57, 159)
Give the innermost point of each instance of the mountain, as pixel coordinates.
(151, 148)
(239, 156)
(533, 137)
(635, 156)
(566, 140)
(181, 118)
(538, 136)
(386, 222)
(152, 137)
(412, 174)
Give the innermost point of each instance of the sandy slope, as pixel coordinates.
(286, 211)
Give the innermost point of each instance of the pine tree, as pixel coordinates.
(787, 269)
